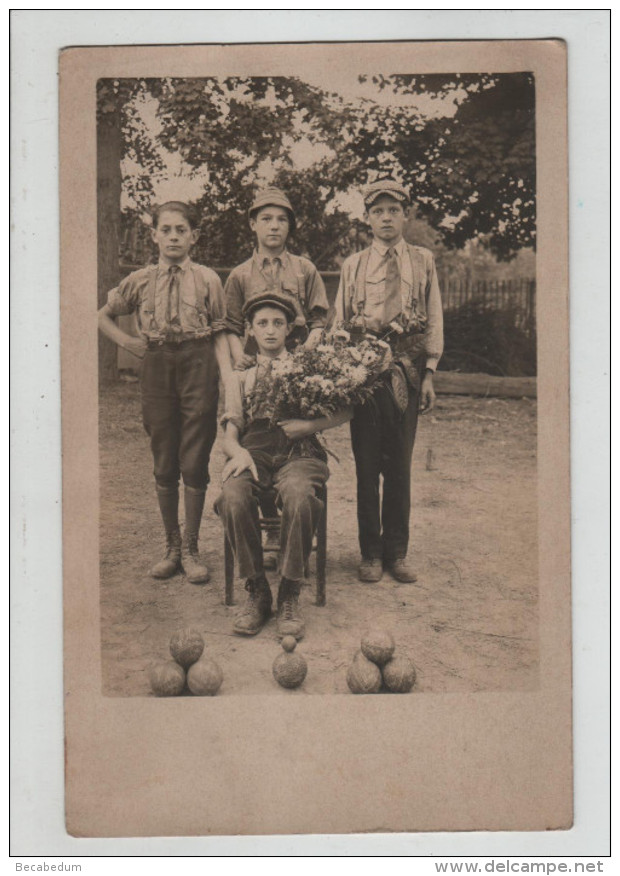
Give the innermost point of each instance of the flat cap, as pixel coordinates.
(388, 187)
(270, 298)
(272, 197)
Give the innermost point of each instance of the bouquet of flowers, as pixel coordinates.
(337, 374)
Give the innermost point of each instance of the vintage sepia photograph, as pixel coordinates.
(315, 438)
(326, 429)
(308, 318)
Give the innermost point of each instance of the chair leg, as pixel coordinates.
(321, 554)
(229, 573)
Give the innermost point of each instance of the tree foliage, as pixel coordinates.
(477, 176)
(471, 172)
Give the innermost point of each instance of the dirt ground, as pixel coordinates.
(470, 623)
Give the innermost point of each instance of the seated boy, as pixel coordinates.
(181, 322)
(264, 457)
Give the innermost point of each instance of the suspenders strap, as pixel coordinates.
(149, 305)
(418, 270)
(360, 282)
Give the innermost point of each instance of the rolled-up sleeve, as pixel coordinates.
(233, 401)
(125, 298)
(317, 305)
(433, 335)
(217, 303)
(233, 294)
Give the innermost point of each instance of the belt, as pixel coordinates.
(183, 344)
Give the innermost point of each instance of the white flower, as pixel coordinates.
(369, 357)
(359, 374)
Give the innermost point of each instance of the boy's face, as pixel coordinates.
(270, 327)
(271, 225)
(387, 219)
(173, 236)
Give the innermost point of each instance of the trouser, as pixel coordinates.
(382, 439)
(297, 481)
(180, 385)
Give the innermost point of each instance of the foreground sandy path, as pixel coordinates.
(469, 624)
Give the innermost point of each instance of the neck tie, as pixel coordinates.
(393, 300)
(264, 372)
(173, 295)
(261, 408)
(272, 269)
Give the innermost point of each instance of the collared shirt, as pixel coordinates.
(421, 284)
(146, 294)
(242, 405)
(375, 277)
(270, 267)
(291, 274)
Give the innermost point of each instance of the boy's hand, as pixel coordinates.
(296, 429)
(241, 461)
(135, 346)
(313, 339)
(427, 394)
(244, 361)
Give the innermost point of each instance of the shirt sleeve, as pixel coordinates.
(217, 303)
(125, 298)
(317, 304)
(434, 313)
(233, 401)
(233, 294)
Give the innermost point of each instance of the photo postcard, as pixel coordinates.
(315, 418)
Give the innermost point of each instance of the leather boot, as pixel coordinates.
(290, 621)
(170, 564)
(256, 610)
(402, 571)
(195, 570)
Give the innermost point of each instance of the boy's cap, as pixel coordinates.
(388, 187)
(270, 298)
(272, 197)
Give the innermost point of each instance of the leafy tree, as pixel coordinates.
(472, 173)
(242, 129)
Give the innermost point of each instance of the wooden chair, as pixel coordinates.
(272, 525)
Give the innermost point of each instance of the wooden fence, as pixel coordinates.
(517, 296)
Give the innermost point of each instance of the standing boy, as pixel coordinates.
(271, 266)
(391, 290)
(180, 319)
(286, 458)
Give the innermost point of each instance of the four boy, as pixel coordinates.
(187, 326)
